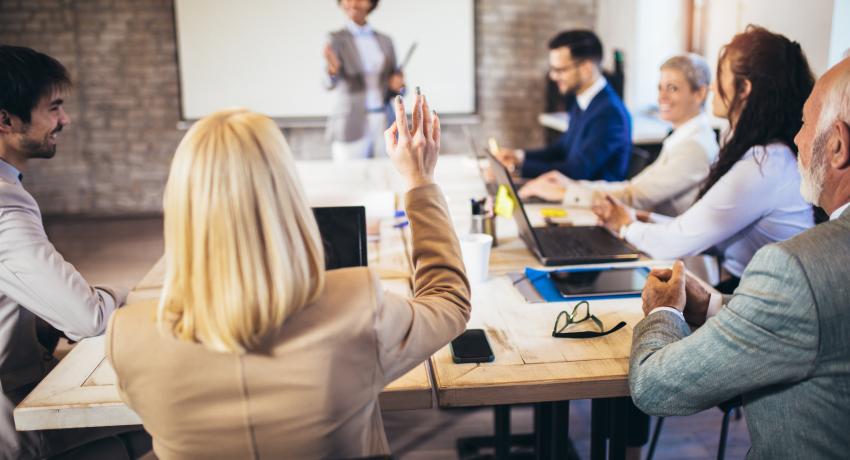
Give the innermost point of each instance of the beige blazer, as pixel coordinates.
(347, 121)
(35, 281)
(313, 393)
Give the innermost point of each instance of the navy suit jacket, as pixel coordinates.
(597, 145)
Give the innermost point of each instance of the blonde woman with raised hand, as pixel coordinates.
(254, 350)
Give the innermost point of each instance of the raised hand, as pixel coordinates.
(414, 147)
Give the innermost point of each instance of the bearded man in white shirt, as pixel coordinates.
(782, 341)
(35, 281)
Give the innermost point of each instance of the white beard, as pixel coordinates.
(811, 180)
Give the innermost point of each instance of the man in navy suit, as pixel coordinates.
(598, 143)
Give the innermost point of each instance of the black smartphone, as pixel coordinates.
(472, 347)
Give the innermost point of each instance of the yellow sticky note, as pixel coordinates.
(505, 202)
(553, 212)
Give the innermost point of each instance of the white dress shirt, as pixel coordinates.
(670, 184)
(372, 59)
(586, 97)
(756, 203)
(837, 213)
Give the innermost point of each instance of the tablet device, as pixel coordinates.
(600, 282)
(343, 231)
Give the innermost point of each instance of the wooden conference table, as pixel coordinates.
(530, 365)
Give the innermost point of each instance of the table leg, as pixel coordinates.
(561, 445)
(598, 428)
(502, 431)
(543, 430)
(619, 418)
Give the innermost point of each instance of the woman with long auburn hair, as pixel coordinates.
(253, 349)
(751, 196)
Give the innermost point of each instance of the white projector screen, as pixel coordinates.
(266, 55)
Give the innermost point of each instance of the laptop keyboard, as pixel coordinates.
(579, 242)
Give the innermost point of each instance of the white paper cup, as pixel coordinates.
(475, 248)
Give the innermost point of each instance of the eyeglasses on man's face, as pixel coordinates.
(558, 71)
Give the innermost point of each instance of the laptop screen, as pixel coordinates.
(503, 177)
(343, 230)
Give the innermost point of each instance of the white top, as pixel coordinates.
(583, 99)
(372, 60)
(756, 203)
(670, 184)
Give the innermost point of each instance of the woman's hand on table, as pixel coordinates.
(612, 214)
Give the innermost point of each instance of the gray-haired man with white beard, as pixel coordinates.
(782, 341)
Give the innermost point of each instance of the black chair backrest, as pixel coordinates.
(638, 160)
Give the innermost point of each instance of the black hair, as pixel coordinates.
(373, 2)
(780, 81)
(584, 45)
(27, 76)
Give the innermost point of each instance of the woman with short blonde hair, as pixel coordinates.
(254, 350)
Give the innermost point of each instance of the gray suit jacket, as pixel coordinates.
(35, 281)
(782, 341)
(347, 121)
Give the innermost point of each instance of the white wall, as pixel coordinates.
(648, 32)
(807, 22)
(840, 40)
(266, 55)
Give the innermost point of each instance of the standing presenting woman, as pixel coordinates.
(752, 194)
(361, 70)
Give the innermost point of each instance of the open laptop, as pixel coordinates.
(343, 230)
(482, 161)
(564, 245)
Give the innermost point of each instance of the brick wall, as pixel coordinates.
(114, 158)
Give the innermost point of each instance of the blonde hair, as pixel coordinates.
(242, 248)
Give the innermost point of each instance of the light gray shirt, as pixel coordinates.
(35, 281)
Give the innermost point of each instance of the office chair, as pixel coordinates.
(638, 160)
(732, 405)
